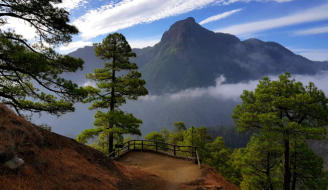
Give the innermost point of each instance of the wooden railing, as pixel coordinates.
(186, 152)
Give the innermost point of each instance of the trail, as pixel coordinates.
(178, 173)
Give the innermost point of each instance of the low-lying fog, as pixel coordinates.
(209, 106)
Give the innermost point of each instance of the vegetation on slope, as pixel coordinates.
(282, 116)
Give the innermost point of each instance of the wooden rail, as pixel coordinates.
(179, 151)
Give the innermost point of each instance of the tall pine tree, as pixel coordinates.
(118, 81)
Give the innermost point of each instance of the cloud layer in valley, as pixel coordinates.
(208, 106)
(225, 91)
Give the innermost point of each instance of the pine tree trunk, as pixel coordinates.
(268, 173)
(287, 175)
(111, 108)
(294, 172)
(110, 143)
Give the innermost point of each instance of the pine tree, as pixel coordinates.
(118, 81)
(30, 72)
(259, 163)
(287, 108)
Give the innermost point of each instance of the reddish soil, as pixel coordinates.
(55, 162)
(178, 173)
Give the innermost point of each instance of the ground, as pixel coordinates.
(178, 173)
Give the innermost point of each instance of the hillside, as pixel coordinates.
(52, 161)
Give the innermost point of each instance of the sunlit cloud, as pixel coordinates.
(89, 83)
(20, 27)
(219, 16)
(312, 31)
(146, 42)
(74, 46)
(127, 13)
(71, 4)
(304, 16)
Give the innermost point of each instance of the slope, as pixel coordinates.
(56, 162)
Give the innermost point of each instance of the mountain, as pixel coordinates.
(190, 56)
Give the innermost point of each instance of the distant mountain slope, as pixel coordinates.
(189, 55)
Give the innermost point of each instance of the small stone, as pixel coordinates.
(14, 163)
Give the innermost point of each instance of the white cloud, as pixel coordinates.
(73, 46)
(319, 30)
(71, 4)
(309, 15)
(313, 54)
(219, 16)
(220, 90)
(225, 91)
(126, 13)
(283, 1)
(142, 43)
(89, 83)
(226, 2)
(20, 27)
(26, 30)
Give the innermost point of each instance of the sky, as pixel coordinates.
(300, 25)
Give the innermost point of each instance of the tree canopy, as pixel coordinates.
(30, 70)
(291, 112)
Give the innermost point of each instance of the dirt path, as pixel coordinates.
(175, 171)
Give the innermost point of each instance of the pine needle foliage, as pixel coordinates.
(30, 70)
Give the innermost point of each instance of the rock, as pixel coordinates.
(10, 160)
(14, 163)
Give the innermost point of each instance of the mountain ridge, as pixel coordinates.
(191, 56)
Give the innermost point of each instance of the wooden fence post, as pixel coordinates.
(156, 146)
(128, 145)
(141, 145)
(174, 151)
(134, 142)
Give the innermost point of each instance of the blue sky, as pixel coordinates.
(300, 25)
